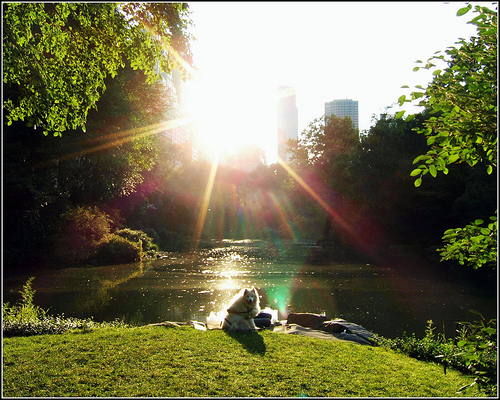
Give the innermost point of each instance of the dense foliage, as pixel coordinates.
(473, 349)
(115, 249)
(79, 234)
(56, 56)
(462, 99)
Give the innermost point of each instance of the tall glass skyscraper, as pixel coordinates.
(288, 119)
(343, 108)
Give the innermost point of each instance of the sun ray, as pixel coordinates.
(202, 214)
(117, 138)
(336, 216)
(281, 212)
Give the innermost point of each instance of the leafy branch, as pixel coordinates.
(463, 101)
(474, 244)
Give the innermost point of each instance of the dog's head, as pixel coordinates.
(251, 296)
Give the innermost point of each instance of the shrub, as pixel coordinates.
(25, 310)
(140, 237)
(26, 319)
(117, 249)
(154, 237)
(79, 234)
(478, 347)
(473, 351)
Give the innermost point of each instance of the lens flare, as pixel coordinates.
(335, 215)
(202, 214)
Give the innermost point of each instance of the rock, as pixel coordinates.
(318, 326)
(306, 319)
(332, 327)
(198, 325)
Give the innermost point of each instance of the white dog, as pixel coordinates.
(242, 311)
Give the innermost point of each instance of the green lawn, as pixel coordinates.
(159, 361)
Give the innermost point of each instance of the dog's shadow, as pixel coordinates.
(250, 340)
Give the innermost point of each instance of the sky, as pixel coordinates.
(363, 51)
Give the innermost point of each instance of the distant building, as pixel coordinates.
(288, 119)
(343, 108)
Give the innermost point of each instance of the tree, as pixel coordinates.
(56, 56)
(44, 176)
(463, 129)
(322, 158)
(324, 141)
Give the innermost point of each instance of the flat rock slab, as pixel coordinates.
(294, 329)
(337, 329)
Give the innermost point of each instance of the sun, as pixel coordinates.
(229, 114)
(211, 111)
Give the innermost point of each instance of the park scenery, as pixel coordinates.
(160, 158)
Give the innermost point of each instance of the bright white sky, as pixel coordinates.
(363, 51)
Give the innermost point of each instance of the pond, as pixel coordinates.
(387, 299)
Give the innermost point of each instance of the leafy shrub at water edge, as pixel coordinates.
(79, 234)
(139, 237)
(116, 249)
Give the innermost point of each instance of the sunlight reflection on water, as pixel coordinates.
(190, 287)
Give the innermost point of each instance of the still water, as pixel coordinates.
(387, 300)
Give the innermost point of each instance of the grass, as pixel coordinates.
(184, 362)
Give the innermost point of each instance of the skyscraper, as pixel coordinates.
(288, 119)
(343, 108)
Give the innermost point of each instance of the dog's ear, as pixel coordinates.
(246, 291)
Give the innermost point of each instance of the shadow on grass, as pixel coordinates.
(251, 341)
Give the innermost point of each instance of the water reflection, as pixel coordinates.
(185, 287)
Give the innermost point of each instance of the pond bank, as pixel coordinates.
(303, 324)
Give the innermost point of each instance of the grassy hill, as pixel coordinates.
(160, 361)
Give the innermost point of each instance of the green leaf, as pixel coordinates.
(485, 231)
(432, 170)
(489, 170)
(415, 172)
(418, 182)
(417, 159)
(453, 158)
(464, 10)
(478, 222)
(400, 114)
(436, 72)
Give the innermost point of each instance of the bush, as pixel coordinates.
(26, 319)
(139, 237)
(117, 249)
(154, 237)
(473, 351)
(79, 234)
(478, 347)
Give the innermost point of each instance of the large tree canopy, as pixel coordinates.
(56, 56)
